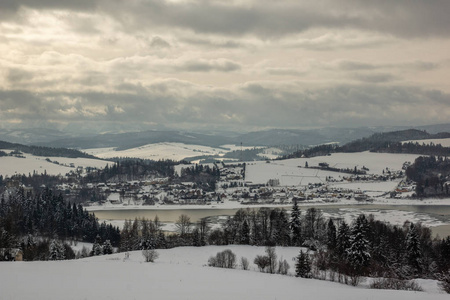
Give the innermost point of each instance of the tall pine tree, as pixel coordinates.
(303, 265)
(296, 225)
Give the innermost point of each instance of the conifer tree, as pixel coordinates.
(413, 250)
(97, 248)
(358, 253)
(107, 247)
(303, 265)
(56, 250)
(296, 225)
(245, 233)
(331, 235)
(343, 240)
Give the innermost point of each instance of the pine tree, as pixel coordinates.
(303, 265)
(196, 238)
(107, 247)
(413, 250)
(56, 250)
(97, 248)
(358, 254)
(245, 233)
(343, 240)
(331, 235)
(296, 225)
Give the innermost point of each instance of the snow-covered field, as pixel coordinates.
(10, 165)
(158, 151)
(179, 273)
(293, 172)
(443, 142)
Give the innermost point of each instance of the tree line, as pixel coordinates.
(26, 220)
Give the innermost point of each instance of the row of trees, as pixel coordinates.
(24, 216)
(387, 142)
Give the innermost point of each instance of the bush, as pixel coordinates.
(395, 284)
(283, 267)
(224, 259)
(262, 262)
(445, 282)
(150, 255)
(244, 263)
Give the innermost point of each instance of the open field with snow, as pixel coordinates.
(293, 172)
(10, 165)
(180, 273)
(159, 151)
(443, 142)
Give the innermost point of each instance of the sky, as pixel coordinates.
(115, 65)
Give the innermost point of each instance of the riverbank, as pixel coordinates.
(236, 205)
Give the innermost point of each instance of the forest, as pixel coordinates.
(431, 174)
(44, 221)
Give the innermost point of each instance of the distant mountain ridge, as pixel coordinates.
(272, 137)
(45, 151)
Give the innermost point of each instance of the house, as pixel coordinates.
(11, 254)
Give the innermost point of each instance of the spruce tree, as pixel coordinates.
(343, 240)
(331, 235)
(358, 253)
(107, 247)
(413, 250)
(97, 248)
(245, 233)
(56, 250)
(296, 225)
(303, 265)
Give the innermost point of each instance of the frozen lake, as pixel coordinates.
(435, 216)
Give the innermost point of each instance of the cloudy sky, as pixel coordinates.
(119, 65)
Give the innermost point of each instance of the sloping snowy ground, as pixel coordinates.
(158, 151)
(293, 172)
(15, 165)
(178, 274)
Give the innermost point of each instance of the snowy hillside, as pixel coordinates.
(292, 171)
(179, 273)
(10, 165)
(443, 142)
(161, 151)
(158, 151)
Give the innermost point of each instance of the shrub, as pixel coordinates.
(224, 259)
(445, 282)
(262, 262)
(244, 263)
(150, 255)
(283, 267)
(395, 284)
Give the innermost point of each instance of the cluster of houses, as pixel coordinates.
(231, 186)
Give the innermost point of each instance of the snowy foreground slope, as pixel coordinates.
(179, 273)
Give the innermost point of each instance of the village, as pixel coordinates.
(233, 186)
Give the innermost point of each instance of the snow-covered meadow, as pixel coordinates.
(292, 172)
(180, 273)
(10, 165)
(160, 151)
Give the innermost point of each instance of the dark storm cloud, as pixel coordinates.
(14, 5)
(255, 104)
(373, 77)
(207, 66)
(404, 18)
